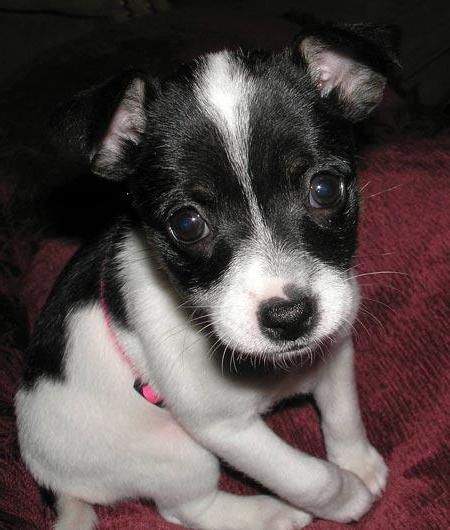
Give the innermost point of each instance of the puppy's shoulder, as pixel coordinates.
(78, 286)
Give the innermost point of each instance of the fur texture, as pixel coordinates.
(230, 153)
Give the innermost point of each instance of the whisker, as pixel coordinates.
(361, 323)
(372, 315)
(383, 191)
(199, 306)
(232, 360)
(377, 272)
(379, 302)
(352, 327)
(381, 285)
(205, 335)
(170, 333)
(223, 354)
(365, 186)
(360, 256)
(214, 348)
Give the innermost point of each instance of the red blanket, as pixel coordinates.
(402, 343)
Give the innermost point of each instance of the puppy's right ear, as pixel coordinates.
(104, 126)
(348, 64)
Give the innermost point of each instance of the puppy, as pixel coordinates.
(231, 288)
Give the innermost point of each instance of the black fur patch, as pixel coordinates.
(77, 286)
(48, 497)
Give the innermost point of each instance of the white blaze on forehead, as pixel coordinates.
(224, 90)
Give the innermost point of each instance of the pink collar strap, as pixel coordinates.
(146, 391)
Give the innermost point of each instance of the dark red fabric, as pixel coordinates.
(402, 344)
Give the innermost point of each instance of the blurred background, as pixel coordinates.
(50, 47)
(31, 28)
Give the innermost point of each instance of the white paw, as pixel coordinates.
(350, 501)
(368, 465)
(288, 519)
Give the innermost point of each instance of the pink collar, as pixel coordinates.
(146, 391)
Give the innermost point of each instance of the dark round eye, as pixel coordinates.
(188, 226)
(325, 191)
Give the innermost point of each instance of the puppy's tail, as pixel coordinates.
(73, 514)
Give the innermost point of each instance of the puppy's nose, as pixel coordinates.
(281, 319)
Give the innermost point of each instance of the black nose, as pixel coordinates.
(286, 319)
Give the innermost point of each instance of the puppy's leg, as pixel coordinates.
(345, 437)
(187, 492)
(144, 453)
(73, 514)
(312, 484)
(224, 511)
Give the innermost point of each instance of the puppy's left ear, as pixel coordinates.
(103, 127)
(349, 64)
(123, 133)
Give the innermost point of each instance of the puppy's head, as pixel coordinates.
(241, 170)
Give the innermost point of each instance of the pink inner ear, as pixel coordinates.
(358, 87)
(332, 70)
(127, 124)
(122, 127)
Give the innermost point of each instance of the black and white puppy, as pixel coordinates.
(242, 177)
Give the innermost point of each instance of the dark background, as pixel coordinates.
(30, 29)
(52, 47)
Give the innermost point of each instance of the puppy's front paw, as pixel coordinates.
(288, 519)
(350, 501)
(368, 465)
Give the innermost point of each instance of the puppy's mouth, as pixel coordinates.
(292, 352)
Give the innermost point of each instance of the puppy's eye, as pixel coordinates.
(188, 226)
(325, 191)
